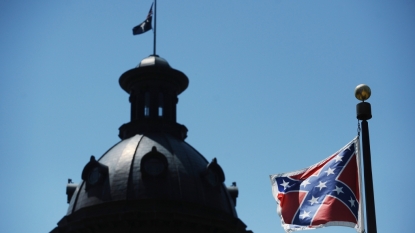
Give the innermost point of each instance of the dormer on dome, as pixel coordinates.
(153, 87)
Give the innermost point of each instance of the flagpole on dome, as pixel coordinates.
(155, 25)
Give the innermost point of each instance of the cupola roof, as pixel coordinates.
(154, 60)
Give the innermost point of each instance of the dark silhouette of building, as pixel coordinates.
(152, 180)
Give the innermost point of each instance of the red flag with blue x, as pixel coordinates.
(325, 194)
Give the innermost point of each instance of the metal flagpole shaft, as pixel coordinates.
(367, 168)
(364, 113)
(155, 25)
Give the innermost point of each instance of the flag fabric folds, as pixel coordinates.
(325, 194)
(146, 25)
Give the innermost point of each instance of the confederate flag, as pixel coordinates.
(325, 194)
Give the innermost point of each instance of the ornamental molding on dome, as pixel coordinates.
(154, 164)
(214, 174)
(94, 173)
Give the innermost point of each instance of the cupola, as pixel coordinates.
(154, 88)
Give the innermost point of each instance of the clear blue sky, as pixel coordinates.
(271, 91)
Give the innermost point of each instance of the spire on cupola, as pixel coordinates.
(154, 88)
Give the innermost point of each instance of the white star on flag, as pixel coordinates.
(313, 200)
(330, 171)
(338, 158)
(321, 185)
(305, 183)
(338, 190)
(305, 214)
(351, 201)
(285, 184)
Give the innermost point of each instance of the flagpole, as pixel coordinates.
(361, 203)
(364, 113)
(155, 25)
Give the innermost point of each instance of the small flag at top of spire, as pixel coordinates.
(146, 25)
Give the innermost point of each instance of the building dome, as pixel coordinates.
(152, 180)
(173, 171)
(153, 173)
